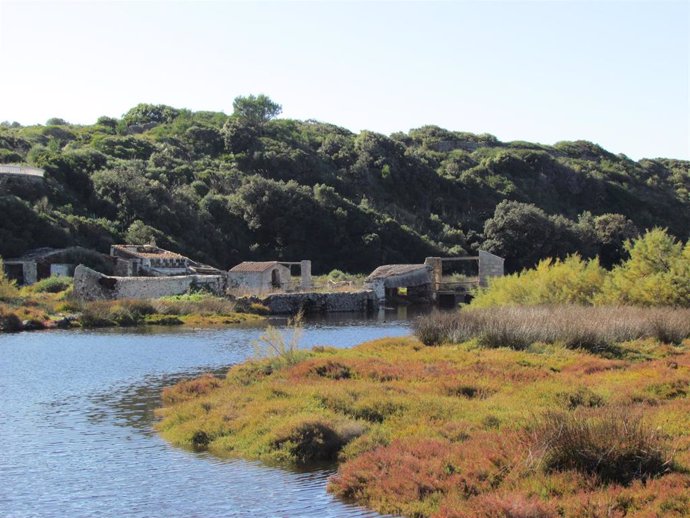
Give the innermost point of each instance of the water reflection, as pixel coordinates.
(77, 415)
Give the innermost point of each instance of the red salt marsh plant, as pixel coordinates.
(460, 430)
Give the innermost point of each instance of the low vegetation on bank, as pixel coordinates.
(545, 429)
(49, 303)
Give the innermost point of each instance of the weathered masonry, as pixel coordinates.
(261, 278)
(428, 281)
(449, 290)
(361, 301)
(38, 264)
(92, 285)
(391, 280)
(152, 261)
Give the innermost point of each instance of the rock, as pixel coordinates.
(32, 325)
(63, 323)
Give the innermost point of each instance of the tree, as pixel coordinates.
(612, 231)
(256, 110)
(655, 274)
(520, 232)
(56, 121)
(205, 140)
(150, 114)
(239, 136)
(139, 233)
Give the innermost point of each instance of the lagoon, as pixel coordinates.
(76, 420)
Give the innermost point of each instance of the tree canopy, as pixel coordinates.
(227, 188)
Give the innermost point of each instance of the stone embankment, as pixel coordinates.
(313, 302)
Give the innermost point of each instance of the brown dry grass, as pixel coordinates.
(595, 329)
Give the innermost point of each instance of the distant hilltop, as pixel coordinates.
(252, 186)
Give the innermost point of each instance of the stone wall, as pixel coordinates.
(311, 302)
(258, 283)
(490, 265)
(92, 285)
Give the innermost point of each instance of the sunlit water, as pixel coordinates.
(76, 417)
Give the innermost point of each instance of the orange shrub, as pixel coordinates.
(190, 389)
(399, 476)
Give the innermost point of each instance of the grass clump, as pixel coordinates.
(123, 313)
(275, 346)
(194, 304)
(8, 288)
(9, 321)
(52, 285)
(615, 446)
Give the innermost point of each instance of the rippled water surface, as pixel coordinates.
(76, 415)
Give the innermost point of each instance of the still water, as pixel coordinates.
(76, 417)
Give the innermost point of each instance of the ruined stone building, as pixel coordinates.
(152, 261)
(263, 277)
(426, 282)
(38, 264)
(387, 280)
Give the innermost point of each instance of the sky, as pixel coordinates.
(612, 72)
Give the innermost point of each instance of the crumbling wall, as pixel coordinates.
(258, 283)
(310, 302)
(92, 285)
(490, 265)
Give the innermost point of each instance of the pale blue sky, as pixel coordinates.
(615, 73)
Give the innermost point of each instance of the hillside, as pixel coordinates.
(253, 186)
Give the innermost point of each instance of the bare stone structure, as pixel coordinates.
(490, 265)
(38, 264)
(386, 281)
(260, 278)
(19, 176)
(21, 170)
(92, 285)
(313, 302)
(152, 261)
(420, 281)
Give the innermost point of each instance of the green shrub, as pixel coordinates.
(52, 285)
(195, 304)
(656, 274)
(310, 441)
(572, 281)
(8, 288)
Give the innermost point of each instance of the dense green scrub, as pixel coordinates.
(250, 186)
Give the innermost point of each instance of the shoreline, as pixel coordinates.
(409, 425)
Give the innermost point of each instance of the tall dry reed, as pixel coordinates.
(577, 327)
